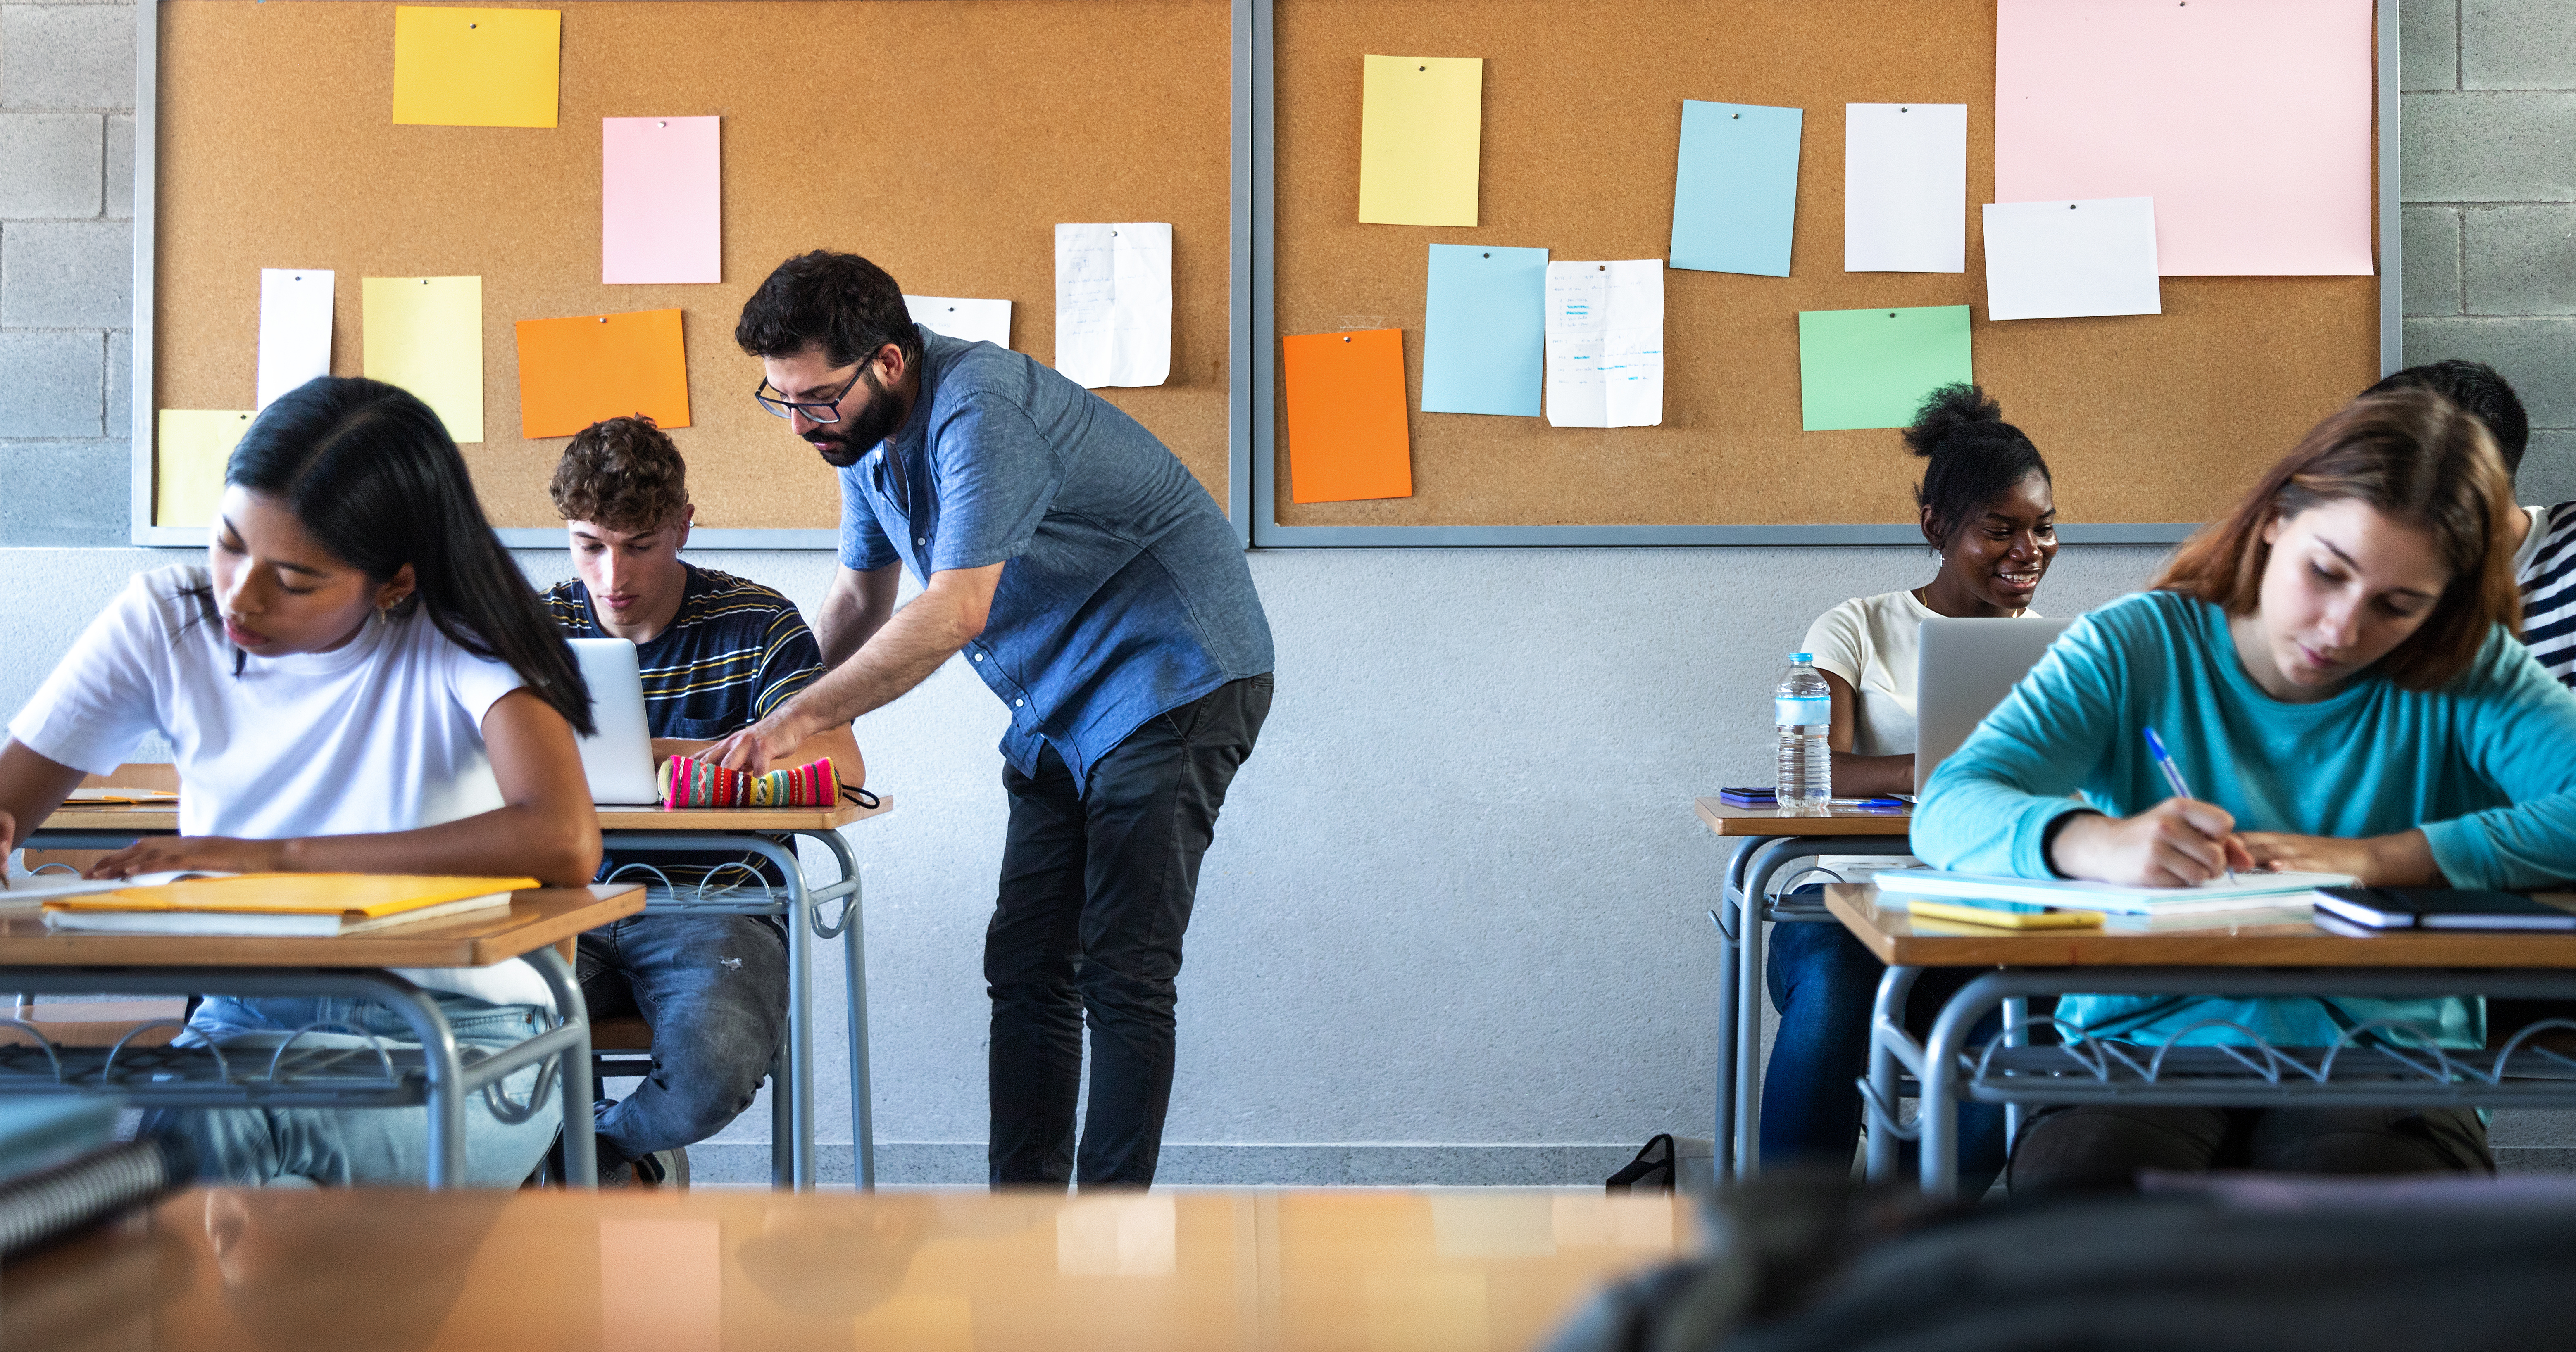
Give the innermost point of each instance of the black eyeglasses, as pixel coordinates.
(822, 411)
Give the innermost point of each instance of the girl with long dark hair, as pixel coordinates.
(357, 679)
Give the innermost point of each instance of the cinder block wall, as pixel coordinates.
(2490, 182)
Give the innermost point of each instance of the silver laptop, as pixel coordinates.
(618, 754)
(1963, 669)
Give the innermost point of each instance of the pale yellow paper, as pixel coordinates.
(426, 335)
(188, 463)
(1420, 138)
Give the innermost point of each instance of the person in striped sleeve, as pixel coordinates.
(717, 652)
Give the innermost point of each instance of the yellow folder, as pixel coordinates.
(367, 894)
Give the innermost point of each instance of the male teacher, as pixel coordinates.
(1095, 587)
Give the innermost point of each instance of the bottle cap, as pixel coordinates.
(1802, 657)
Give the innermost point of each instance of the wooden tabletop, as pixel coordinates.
(1727, 819)
(537, 916)
(1901, 941)
(163, 820)
(278, 1271)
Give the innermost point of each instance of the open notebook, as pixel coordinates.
(2269, 890)
(280, 905)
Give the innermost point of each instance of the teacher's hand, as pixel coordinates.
(754, 749)
(2177, 843)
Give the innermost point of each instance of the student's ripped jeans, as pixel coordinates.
(714, 988)
(341, 1147)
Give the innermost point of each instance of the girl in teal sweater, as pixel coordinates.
(2334, 666)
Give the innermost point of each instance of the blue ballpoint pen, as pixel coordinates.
(2173, 776)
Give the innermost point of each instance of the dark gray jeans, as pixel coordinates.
(714, 987)
(1096, 891)
(2101, 1147)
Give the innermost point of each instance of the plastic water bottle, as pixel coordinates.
(1802, 707)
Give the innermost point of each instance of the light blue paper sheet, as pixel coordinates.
(1735, 196)
(1484, 344)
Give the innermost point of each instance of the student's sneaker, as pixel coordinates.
(660, 1169)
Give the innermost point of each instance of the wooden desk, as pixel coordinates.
(2239, 961)
(644, 830)
(1767, 841)
(38, 960)
(238, 1271)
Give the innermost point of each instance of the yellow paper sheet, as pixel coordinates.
(476, 67)
(1420, 120)
(188, 463)
(426, 335)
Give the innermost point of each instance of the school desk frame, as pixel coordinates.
(1252, 413)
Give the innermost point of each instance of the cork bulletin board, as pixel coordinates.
(2145, 419)
(942, 140)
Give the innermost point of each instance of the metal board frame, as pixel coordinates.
(1257, 355)
(1252, 396)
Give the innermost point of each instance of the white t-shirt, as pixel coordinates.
(385, 734)
(1871, 642)
(2530, 548)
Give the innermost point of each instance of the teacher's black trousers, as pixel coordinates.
(1096, 892)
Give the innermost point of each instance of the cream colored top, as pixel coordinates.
(1871, 642)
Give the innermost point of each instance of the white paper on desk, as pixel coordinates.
(27, 890)
(1905, 187)
(1605, 344)
(975, 321)
(294, 329)
(2059, 260)
(1113, 303)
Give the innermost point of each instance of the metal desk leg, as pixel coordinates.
(852, 932)
(1748, 1000)
(800, 1028)
(446, 1074)
(1939, 1115)
(782, 1120)
(1886, 1037)
(1722, 1131)
(580, 1128)
(2016, 1034)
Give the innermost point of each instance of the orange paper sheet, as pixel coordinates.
(574, 372)
(1347, 438)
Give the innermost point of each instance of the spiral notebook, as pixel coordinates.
(2247, 890)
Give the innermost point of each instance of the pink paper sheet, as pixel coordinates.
(660, 200)
(2248, 121)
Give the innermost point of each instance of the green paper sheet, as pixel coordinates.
(1872, 368)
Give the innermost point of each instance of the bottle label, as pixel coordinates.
(1798, 713)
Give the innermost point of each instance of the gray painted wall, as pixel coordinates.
(1452, 927)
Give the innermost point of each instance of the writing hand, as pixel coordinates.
(2180, 842)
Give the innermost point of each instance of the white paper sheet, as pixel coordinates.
(1605, 344)
(2058, 260)
(976, 321)
(1905, 187)
(294, 329)
(1113, 303)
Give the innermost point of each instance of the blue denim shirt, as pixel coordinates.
(1125, 593)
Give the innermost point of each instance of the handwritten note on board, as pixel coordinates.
(1347, 437)
(976, 321)
(1113, 303)
(574, 372)
(1735, 193)
(188, 462)
(1905, 187)
(1872, 368)
(1605, 344)
(2058, 260)
(2249, 124)
(1484, 343)
(426, 335)
(661, 200)
(1421, 138)
(294, 329)
(476, 67)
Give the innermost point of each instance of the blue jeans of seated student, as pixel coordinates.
(1825, 984)
(714, 988)
(343, 1147)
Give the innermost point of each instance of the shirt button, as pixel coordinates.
(919, 540)
(1018, 702)
(979, 657)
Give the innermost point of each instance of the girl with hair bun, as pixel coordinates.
(1986, 506)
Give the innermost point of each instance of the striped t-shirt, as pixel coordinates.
(735, 651)
(2546, 568)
